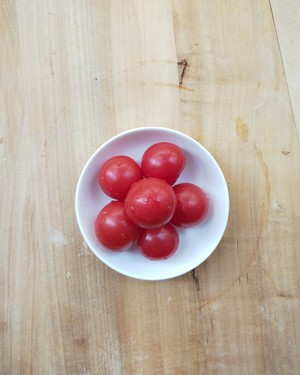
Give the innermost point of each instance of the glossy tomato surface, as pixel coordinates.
(163, 160)
(117, 175)
(113, 228)
(158, 243)
(150, 203)
(192, 205)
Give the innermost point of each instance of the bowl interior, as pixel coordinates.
(196, 243)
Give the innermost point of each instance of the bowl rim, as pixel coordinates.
(120, 135)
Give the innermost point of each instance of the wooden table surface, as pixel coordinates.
(75, 73)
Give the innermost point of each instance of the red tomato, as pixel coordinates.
(113, 228)
(150, 203)
(163, 160)
(117, 175)
(192, 205)
(158, 243)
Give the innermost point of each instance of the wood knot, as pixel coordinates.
(182, 65)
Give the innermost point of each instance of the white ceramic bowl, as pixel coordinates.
(196, 243)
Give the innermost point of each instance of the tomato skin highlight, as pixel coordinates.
(117, 175)
(158, 243)
(113, 229)
(163, 160)
(192, 205)
(150, 203)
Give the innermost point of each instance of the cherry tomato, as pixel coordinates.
(158, 243)
(192, 205)
(150, 202)
(163, 160)
(113, 228)
(117, 175)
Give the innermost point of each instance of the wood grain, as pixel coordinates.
(73, 74)
(287, 23)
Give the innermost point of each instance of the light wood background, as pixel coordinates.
(75, 73)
